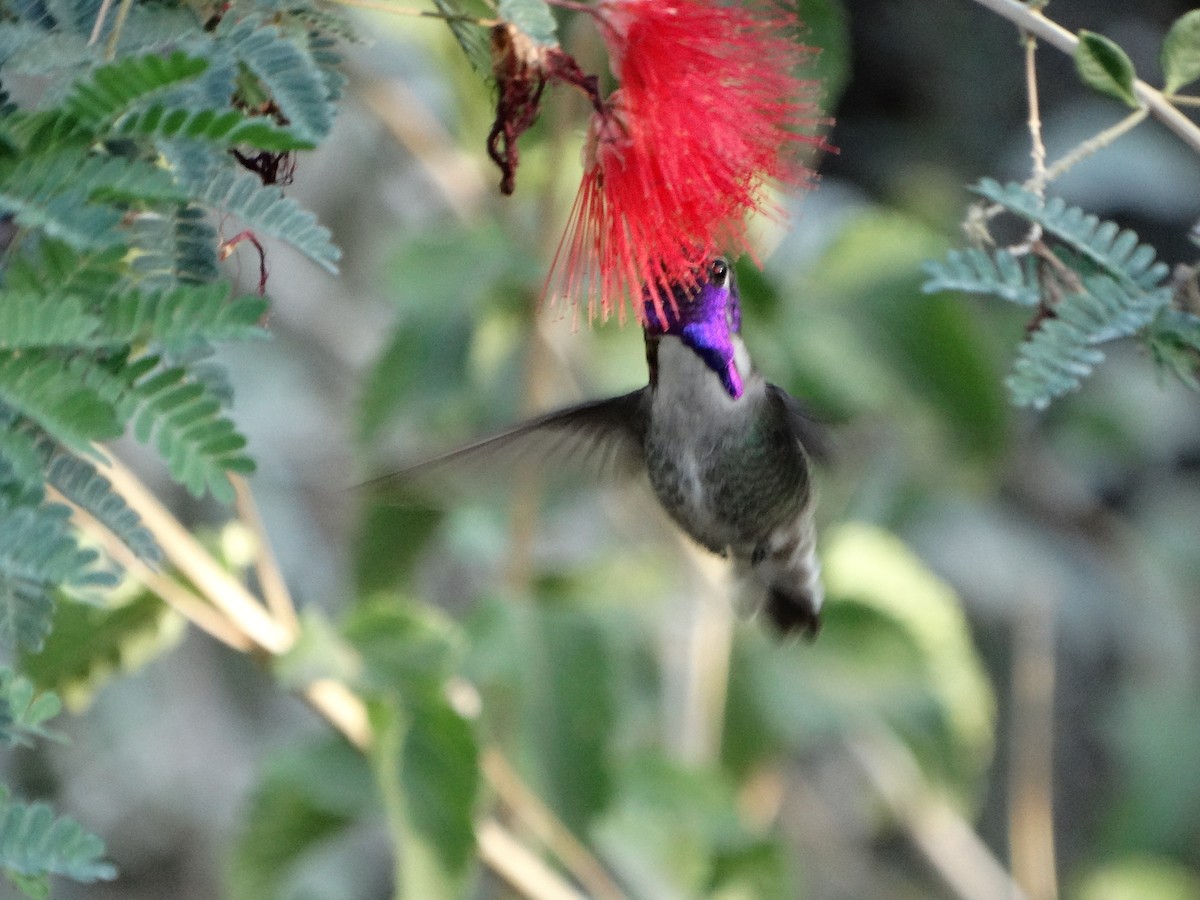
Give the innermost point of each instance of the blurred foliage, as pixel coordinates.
(570, 635)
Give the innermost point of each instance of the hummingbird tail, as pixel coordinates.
(793, 612)
(786, 567)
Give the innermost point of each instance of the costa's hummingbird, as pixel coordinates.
(721, 447)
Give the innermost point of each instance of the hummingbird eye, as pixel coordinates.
(718, 271)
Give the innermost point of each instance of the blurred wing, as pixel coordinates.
(601, 440)
(813, 437)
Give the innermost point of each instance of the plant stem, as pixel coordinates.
(1037, 149)
(170, 591)
(538, 818)
(221, 589)
(237, 619)
(266, 566)
(1088, 147)
(101, 15)
(114, 36)
(519, 866)
(1031, 751)
(1054, 34)
(935, 827)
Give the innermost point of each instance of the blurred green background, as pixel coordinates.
(1007, 680)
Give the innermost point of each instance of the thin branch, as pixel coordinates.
(1037, 149)
(98, 26)
(266, 566)
(174, 594)
(114, 36)
(341, 708)
(935, 827)
(1031, 753)
(1096, 143)
(1054, 34)
(547, 827)
(519, 866)
(221, 589)
(237, 619)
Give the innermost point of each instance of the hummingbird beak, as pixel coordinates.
(713, 343)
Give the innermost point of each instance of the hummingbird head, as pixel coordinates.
(705, 316)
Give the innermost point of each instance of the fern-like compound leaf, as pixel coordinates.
(24, 710)
(184, 315)
(228, 126)
(79, 482)
(974, 271)
(21, 459)
(35, 842)
(40, 387)
(172, 247)
(182, 418)
(39, 554)
(265, 209)
(1174, 340)
(27, 321)
(54, 270)
(287, 72)
(68, 194)
(1105, 244)
(1064, 348)
(114, 88)
(473, 39)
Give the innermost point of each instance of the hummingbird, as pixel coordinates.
(722, 448)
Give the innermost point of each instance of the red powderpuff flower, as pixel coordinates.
(710, 110)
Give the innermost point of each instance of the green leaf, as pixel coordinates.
(38, 385)
(265, 208)
(974, 271)
(182, 316)
(182, 417)
(573, 713)
(33, 842)
(675, 831)
(89, 645)
(1181, 52)
(533, 17)
(405, 648)
(1104, 243)
(439, 775)
(307, 797)
(1139, 877)
(28, 320)
(69, 194)
(426, 754)
(474, 39)
(227, 127)
(57, 271)
(39, 554)
(1174, 339)
(21, 457)
(1063, 350)
(23, 709)
(427, 766)
(34, 887)
(111, 89)
(173, 247)
(289, 74)
(872, 567)
(1105, 67)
